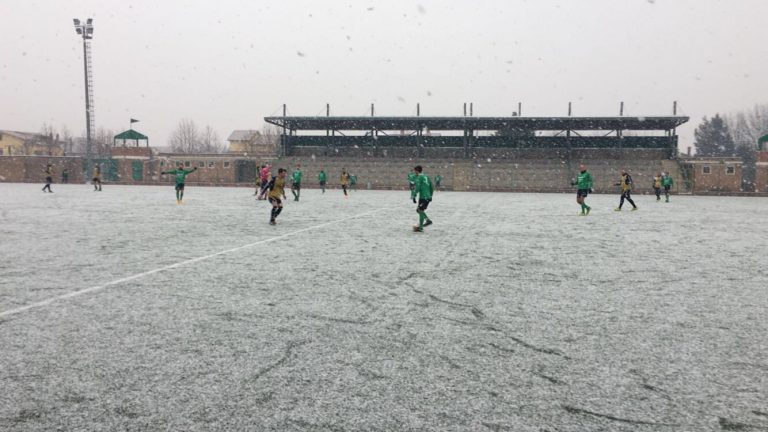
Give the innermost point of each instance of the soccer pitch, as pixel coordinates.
(120, 310)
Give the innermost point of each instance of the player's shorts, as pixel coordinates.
(666, 188)
(344, 187)
(423, 204)
(49, 179)
(264, 183)
(275, 201)
(582, 193)
(179, 186)
(322, 183)
(96, 180)
(296, 186)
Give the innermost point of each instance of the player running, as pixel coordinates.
(423, 188)
(276, 188)
(626, 188)
(344, 180)
(666, 183)
(48, 177)
(181, 175)
(322, 178)
(296, 182)
(657, 186)
(96, 178)
(583, 185)
(264, 174)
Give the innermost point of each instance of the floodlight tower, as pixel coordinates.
(86, 31)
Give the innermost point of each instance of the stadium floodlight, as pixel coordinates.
(86, 31)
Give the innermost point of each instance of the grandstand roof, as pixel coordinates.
(478, 123)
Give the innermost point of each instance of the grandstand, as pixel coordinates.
(483, 153)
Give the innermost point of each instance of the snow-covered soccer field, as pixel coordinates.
(121, 310)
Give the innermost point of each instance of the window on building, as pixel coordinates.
(706, 169)
(162, 163)
(211, 164)
(200, 164)
(226, 164)
(187, 164)
(730, 170)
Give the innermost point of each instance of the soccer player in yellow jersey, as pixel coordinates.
(344, 179)
(657, 186)
(276, 188)
(626, 188)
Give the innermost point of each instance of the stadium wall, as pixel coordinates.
(528, 170)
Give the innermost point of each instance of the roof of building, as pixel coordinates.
(478, 123)
(242, 135)
(130, 134)
(21, 135)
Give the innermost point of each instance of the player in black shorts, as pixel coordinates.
(48, 178)
(584, 184)
(276, 188)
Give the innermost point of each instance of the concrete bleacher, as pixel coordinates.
(538, 174)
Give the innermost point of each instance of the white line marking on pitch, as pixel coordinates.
(171, 266)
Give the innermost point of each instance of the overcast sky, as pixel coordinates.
(231, 63)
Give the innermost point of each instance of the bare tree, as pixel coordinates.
(66, 138)
(185, 138)
(101, 143)
(210, 142)
(48, 137)
(264, 141)
(746, 128)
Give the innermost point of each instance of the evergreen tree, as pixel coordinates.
(713, 138)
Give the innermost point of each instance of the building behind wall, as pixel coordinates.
(761, 172)
(14, 143)
(713, 174)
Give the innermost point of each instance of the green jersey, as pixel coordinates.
(666, 181)
(423, 187)
(438, 179)
(322, 177)
(412, 178)
(181, 174)
(584, 180)
(353, 179)
(296, 176)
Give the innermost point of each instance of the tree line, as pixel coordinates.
(734, 135)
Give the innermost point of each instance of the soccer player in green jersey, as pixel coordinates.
(438, 179)
(322, 178)
(583, 185)
(296, 182)
(352, 181)
(666, 183)
(422, 187)
(181, 175)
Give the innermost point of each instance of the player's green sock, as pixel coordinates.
(583, 208)
(422, 217)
